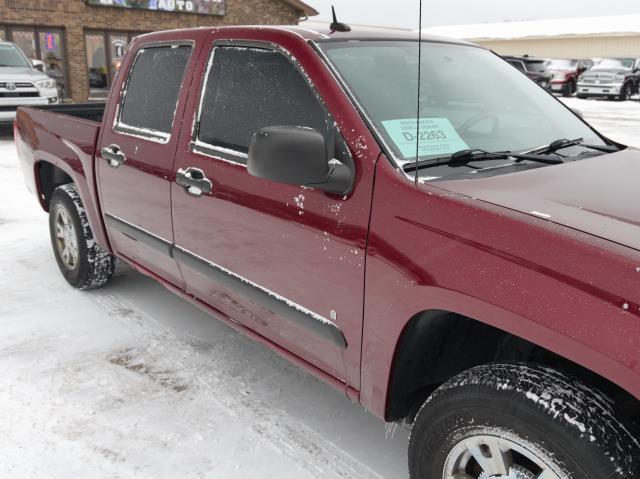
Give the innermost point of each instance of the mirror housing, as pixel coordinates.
(296, 155)
(37, 65)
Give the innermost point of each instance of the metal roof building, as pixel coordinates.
(612, 36)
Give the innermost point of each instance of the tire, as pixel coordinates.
(82, 262)
(582, 97)
(625, 93)
(569, 89)
(547, 421)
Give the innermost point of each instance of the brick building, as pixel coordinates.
(80, 42)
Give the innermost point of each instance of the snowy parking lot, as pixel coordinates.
(132, 381)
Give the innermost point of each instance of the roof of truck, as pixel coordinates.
(323, 33)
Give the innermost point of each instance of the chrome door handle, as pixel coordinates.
(193, 181)
(114, 156)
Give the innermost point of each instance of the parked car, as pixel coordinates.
(21, 83)
(483, 287)
(565, 74)
(534, 68)
(613, 78)
(53, 72)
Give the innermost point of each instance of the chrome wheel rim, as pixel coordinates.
(66, 238)
(494, 457)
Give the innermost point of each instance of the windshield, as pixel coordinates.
(469, 98)
(617, 63)
(562, 64)
(11, 56)
(536, 66)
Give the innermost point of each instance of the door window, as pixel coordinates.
(152, 90)
(248, 89)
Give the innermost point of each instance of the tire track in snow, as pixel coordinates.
(192, 361)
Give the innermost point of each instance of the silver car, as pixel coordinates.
(21, 84)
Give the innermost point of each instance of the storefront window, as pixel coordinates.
(26, 41)
(52, 55)
(105, 51)
(117, 46)
(97, 64)
(44, 47)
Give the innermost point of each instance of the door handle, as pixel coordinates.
(114, 156)
(193, 181)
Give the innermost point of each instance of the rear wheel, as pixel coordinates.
(518, 421)
(82, 262)
(582, 97)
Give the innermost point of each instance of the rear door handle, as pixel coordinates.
(114, 156)
(193, 181)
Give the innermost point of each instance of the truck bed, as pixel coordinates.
(64, 136)
(89, 111)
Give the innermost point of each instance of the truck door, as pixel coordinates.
(135, 155)
(286, 261)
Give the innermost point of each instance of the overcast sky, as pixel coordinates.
(404, 13)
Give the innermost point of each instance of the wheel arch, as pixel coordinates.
(48, 177)
(49, 173)
(436, 345)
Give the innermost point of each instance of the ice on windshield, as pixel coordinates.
(476, 99)
(615, 63)
(558, 64)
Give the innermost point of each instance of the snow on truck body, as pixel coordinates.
(208, 134)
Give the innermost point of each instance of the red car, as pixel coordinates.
(472, 269)
(566, 73)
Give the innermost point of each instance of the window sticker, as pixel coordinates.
(437, 136)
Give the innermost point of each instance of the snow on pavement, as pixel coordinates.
(132, 381)
(619, 121)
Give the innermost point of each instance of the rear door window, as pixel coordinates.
(151, 91)
(247, 89)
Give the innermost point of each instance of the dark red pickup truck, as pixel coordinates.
(482, 284)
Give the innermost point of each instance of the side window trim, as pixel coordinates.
(148, 133)
(230, 155)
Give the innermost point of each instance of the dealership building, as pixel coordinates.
(596, 37)
(80, 43)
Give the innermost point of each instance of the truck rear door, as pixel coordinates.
(136, 150)
(286, 261)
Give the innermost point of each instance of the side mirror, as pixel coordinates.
(37, 64)
(296, 156)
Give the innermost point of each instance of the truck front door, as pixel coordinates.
(136, 151)
(286, 261)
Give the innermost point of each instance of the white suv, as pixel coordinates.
(21, 84)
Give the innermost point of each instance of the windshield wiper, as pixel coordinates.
(565, 143)
(464, 157)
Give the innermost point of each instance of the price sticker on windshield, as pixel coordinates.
(437, 136)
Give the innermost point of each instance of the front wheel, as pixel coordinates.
(519, 421)
(625, 93)
(82, 262)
